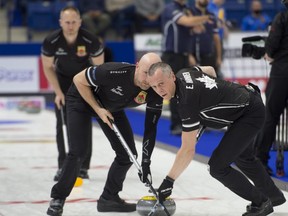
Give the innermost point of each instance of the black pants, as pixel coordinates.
(60, 141)
(177, 62)
(79, 116)
(276, 101)
(236, 147)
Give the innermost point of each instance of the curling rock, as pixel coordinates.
(33, 107)
(146, 203)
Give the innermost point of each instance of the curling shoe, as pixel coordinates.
(277, 200)
(116, 204)
(264, 209)
(56, 207)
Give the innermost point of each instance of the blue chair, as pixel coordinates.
(39, 17)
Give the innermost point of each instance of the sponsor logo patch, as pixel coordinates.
(81, 51)
(141, 97)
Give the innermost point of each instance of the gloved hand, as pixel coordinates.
(146, 173)
(165, 189)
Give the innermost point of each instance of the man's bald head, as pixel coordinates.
(142, 69)
(149, 59)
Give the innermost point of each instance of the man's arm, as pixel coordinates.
(190, 21)
(208, 70)
(218, 47)
(185, 154)
(50, 74)
(151, 120)
(98, 59)
(149, 138)
(183, 158)
(86, 93)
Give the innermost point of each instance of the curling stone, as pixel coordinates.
(146, 203)
(33, 107)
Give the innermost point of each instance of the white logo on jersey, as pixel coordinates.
(61, 51)
(117, 90)
(209, 82)
(187, 77)
(145, 145)
(188, 80)
(118, 72)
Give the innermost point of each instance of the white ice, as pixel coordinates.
(28, 164)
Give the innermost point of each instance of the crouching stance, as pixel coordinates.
(204, 100)
(117, 86)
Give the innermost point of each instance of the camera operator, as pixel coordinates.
(276, 47)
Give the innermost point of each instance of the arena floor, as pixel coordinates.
(28, 164)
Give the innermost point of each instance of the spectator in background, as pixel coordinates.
(122, 14)
(217, 8)
(147, 11)
(177, 22)
(206, 46)
(94, 16)
(257, 20)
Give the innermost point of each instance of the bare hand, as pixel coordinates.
(269, 59)
(60, 100)
(199, 29)
(105, 116)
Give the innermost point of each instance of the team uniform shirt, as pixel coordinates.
(276, 45)
(211, 102)
(71, 59)
(175, 37)
(203, 43)
(114, 86)
(220, 13)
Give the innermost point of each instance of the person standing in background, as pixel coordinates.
(217, 8)
(257, 20)
(206, 43)
(177, 22)
(276, 92)
(64, 53)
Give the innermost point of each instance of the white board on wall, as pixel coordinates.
(19, 74)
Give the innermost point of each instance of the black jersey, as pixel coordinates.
(276, 44)
(208, 101)
(114, 85)
(71, 59)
